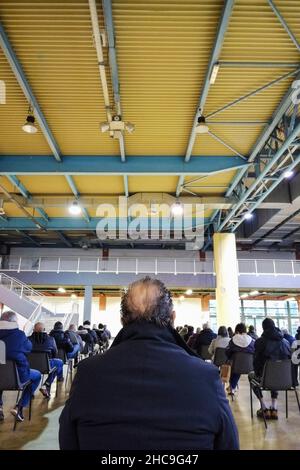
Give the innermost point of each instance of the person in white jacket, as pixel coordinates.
(221, 341)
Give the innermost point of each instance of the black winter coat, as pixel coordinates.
(148, 391)
(270, 346)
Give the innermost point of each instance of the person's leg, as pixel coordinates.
(257, 391)
(46, 387)
(72, 354)
(273, 409)
(1, 407)
(234, 379)
(35, 377)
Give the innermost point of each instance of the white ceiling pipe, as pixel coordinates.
(100, 56)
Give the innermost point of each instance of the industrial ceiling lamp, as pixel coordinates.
(75, 208)
(29, 126)
(177, 208)
(202, 127)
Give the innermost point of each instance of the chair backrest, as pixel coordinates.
(39, 360)
(61, 354)
(9, 377)
(242, 363)
(204, 354)
(220, 357)
(277, 375)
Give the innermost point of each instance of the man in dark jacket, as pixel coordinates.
(270, 346)
(157, 394)
(42, 342)
(17, 346)
(63, 341)
(204, 338)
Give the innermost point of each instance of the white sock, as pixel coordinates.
(263, 405)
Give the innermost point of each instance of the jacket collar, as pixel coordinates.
(8, 325)
(143, 330)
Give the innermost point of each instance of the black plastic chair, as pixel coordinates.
(39, 360)
(277, 376)
(242, 364)
(61, 354)
(204, 354)
(9, 380)
(220, 357)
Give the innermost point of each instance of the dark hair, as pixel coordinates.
(222, 331)
(230, 332)
(100, 326)
(156, 306)
(251, 329)
(268, 324)
(240, 328)
(86, 322)
(58, 325)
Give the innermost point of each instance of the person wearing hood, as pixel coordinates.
(17, 346)
(270, 346)
(240, 342)
(42, 342)
(158, 394)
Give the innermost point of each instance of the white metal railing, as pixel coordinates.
(145, 265)
(21, 289)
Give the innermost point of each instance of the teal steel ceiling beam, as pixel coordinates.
(26, 88)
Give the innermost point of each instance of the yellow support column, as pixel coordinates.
(227, 289)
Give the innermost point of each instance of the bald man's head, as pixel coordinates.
(147, 299)
(39, 327)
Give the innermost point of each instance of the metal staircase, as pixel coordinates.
(27, 303)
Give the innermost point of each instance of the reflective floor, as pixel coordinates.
(42, 431)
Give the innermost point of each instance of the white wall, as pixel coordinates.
(187, 311)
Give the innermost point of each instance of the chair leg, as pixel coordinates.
(251, 402)
(286, 405)
(56, 389)
(29, 414)
(71, 371)
(18, 396)
(264, 418)
(15, 424)
(297, 398)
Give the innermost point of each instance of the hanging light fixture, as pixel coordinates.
(29, 127)
(177, 208)
(75, 208)
(202, 127)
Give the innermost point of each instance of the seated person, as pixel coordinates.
(193, 338)
(42, 342)
(252, 332)
(270, 346)
(296, 358)
(240, 342)
(63, 341)
(221, 341)
(205, 337)
(17, 346)
(75, 337)
(103, 335)
(290, 339)
(148, 370)
(92, 333)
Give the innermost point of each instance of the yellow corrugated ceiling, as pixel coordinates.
(163, 50)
